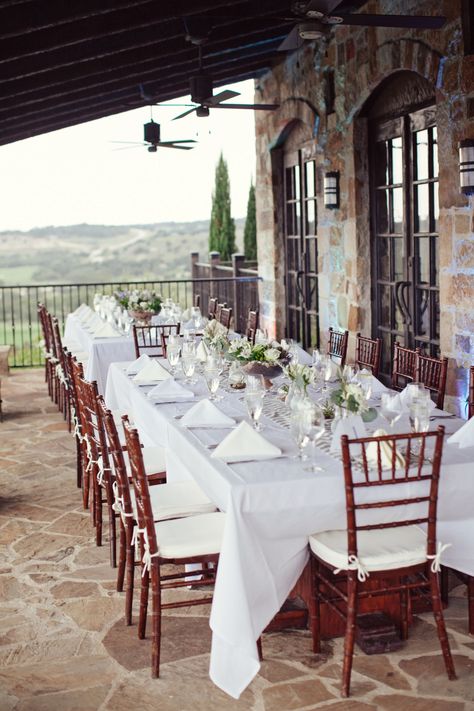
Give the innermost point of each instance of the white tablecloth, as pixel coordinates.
(272, 507)
(102, 351)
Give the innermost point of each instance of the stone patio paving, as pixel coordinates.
(63, 643)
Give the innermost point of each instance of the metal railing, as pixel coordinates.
(20, 328)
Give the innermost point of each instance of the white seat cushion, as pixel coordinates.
(192, 536)
(81, 356)
(382, 549)
(154, 460)
(72, 345)
(176, 500)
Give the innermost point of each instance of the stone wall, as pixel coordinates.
(363, 58)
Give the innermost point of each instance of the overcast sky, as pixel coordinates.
(77, 174)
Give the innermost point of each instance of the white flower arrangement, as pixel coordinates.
(145, 300)
(215, 335)
(271, 353)
(301, 375)
(351, 397)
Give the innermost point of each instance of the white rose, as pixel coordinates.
(272, 355)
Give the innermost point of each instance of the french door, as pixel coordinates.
(301, 249)
(404, 217)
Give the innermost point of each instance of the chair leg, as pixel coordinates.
(444, 578)
(403, 609)
(78, 463)
(350, 631)
(470, 602)
(112, 525)
(85, 479)
(130, 571)
(259, 648)
(145, 578)
(155, 621)
(314, 606)
(122, 557)
(97, 509)
(439, 619)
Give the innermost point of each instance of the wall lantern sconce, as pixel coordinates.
(331, 190)
(466, 166)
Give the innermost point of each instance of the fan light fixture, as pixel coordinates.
(311, 30)
(331, 190)
(466, 166)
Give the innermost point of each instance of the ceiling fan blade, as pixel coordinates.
(291, 42)
(167, 105)
(324, 6)
(222, 96)
(419, 22)
(186, 113)
(130, 143)
(254, 107)
(182, 140)
(172, 145)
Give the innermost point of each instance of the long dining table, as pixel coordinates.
(272, 507)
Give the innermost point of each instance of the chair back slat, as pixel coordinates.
(219, 308)
(116, 459)
(252, 325)
(470, 402)
(368, 353)
(140, 484)
(197, 300)
(337, 345)
(148, 339)
(432, 372)
(45, 327)
(403, 366)
(225, 316)
(363, 473)
(212, 308)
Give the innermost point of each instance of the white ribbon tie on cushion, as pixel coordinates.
(147, 556)
(119, 506)
(205, 414)
(353, 563)
(436, 558)
(152, 372)
(138, 364)
(245, 444)
(464, 437)
(170, 391)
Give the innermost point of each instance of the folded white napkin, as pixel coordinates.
(334, 368)
(352, 426)
(366, 376)
(152, 372)
(138, 364)
(82, 310)
(205, 414)
(106, 330)
(385, 453)
(91, 320)
(245, 444)
(186, 315)
(406, 399)
(202, 352)
(464, 437)
(170, 391)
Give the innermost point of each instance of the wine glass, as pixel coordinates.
(419, 419)
(388, 409)
(188, 348)
(172, 354)
(364, 378)
(254, 402)
(213, 379)
(327, 373)
(316, 431)
(300, 427)
(188, 364)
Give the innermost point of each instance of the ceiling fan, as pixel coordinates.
(314, 20)
(201, 91)
(151, 137)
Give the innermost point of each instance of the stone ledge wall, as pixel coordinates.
(362, 58)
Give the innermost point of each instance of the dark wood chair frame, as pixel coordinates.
(326, 585)
(432, 372)
(61, 379)
(197, 300)
(159, 582)
(147, 339)
(225, 317)
(368, 353)
(77, 373)
(470, 396)
(74, 416)
(252, 325)
(403, 365)
(48, 347)
(337, 345)
(212, 307)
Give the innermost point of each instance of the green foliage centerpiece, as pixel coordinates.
(141, 304)
(215, 336)
(264, 359)
(351, 398)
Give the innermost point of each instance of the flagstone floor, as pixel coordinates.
(63, 643)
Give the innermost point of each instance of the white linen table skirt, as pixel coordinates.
(272, 507)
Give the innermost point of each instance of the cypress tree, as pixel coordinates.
(250, 229)
(222, 227)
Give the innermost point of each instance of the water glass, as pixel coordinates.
(172, 354)
(188, 348)
(315, 432)
(188, 364)
(388, 409)
(254, 402)
(213, 379)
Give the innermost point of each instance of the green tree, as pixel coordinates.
(250, 229)
(222, 227)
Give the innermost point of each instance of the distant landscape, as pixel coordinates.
(100, 253)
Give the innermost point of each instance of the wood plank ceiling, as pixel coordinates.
(63, 62)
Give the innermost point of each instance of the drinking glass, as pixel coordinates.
(172, 354)
(316, 356)
(260, 336)
(419, 420)
(387, 409)
(315, 432)
(254, 401)
(300, 427)
(364, 378)
(188, 348)
(188, 364)
(327, 373)
(213, 379)
(173, 340)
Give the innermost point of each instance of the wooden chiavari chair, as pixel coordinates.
(74, 416)
(175, 500)
(432, 372)
(1, 401)
(195, 539)
(165, 334)
(60, 373)
(48, 348)
(219, 308)
(368, 353)
(147, 339)
(377, 548)
(225, 317)
(470, 397)
(212, 308)
(252, 325)
(337, 345)
(403, 366)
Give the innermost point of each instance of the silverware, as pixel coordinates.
(441, 417)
